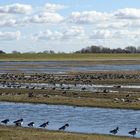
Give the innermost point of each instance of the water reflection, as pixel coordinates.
(59, 67)
(81, 119)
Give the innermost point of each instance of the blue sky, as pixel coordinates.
(68, 25)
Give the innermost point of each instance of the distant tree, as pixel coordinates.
(106, 50)
(95, 49)
(46, 51)
(100, 49)
(118, 50)
(49, 52)
(131, 49)
(2, 52)
(30, 52)
(52, 52)
(15, 52)
(86, 50)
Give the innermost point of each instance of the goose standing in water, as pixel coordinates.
(64, 127)
(44, 124)
(114, 131)
(5, 121)
(18, 122)
(31, 124)
(133, 132)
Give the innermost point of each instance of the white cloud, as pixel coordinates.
(10, 35)
(48, 14)
(114, 34)
(7, 20)
(53, 7)
(120, 19)
(8, 23)
(48, 35)
(69, 33)
(87, 17)
(16, 9)
(133, 24)
(46, 18)
(74, 32)
(112, 25)
(101, 34)
(127, 13)
(97, 26)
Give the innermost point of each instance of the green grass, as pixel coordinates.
(71, 98)
(85, 102)
(13, 133)
(67, 57)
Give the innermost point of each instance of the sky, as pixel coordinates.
(68, 25)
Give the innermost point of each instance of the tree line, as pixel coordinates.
(101, 49)
(91, 49)
(31, 52)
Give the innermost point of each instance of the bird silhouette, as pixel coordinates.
(114, 131)
(18, 122)
(133, 132)
(5, 121)
(31, 124)
(44, 124)
(64, 126)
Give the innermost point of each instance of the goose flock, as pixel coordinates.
(19, 122)
(44, 125)
(132, 132)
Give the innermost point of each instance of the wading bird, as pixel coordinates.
(44, 124)
(5, 121)
(18, 122)
(64, 126)
(133, 132)
(114, 131)
(31, 124)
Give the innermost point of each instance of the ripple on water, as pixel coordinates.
(81, 119)
(59, 67)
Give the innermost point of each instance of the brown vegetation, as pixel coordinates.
(12, 133)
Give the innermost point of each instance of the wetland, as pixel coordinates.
(106, 89)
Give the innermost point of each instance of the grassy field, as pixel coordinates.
(67, 57)
(85, 102)
(71, 98)
(12, 133)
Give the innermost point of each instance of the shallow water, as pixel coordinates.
(58, 67)
(80, 119)
(78, 87)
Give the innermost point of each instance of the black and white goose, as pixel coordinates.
(44, 124)
(64, 127)
(31, 124)
(18, 122)
(5, 121)
(114, 131)
(133, 132)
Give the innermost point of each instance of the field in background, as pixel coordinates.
(67, 57)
